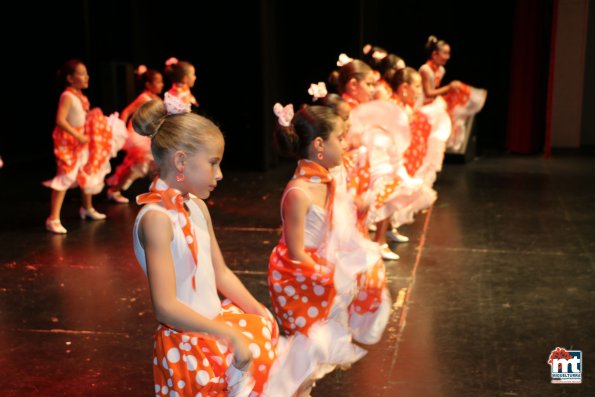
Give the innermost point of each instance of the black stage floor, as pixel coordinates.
(497, 274)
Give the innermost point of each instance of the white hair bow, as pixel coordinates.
(175, 105)
(171, 61)
(379, 55)
(142, 69)
(284, 114)
(343, 60)
(317, 90)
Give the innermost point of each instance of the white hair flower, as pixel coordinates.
(317, 90)
(284, 114)
(343, 60)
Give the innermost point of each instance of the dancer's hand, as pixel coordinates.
(242, 356)
(82, 138)
(455, 85)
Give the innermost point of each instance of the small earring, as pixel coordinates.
(180, 177)
(320, 156)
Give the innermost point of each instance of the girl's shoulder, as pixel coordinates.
(201, 206)
(425, 69)
(297, 189)
(301, 191)
(67, 96)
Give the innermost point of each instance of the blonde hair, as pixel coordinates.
(170, 132)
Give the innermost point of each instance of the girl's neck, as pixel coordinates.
(433, 64)
(150, 93)
(319, 162)
(350, 99)
(173, 183)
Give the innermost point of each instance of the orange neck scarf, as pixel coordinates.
(435, 68)
(351, 101)
(84, 100)
(315, 173)
(173, 199)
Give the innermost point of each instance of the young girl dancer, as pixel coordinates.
(203, 347)
(310, 299)
(82, 146)
(461, 100)
(182, 74)
(138, 158)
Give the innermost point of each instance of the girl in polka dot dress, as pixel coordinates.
(84, 141)
(374, 151)
(430, 126)
(357, 258)
(203, 346)
(138, 160)
(308, 294)
(460, 100)
(182, 74)
(406, 86)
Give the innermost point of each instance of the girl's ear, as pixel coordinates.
(318, 143)
(179, 160)
(352, 84)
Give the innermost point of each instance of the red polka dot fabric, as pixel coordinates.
(194, 364)
(420, 129)
(370, 286)
(68, 150)
(457, 97)
(302, 293)
(100, 141)
(357, 167)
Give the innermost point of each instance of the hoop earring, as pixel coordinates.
(180, 177)
(320, 156)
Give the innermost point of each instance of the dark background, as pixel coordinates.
(247, 55)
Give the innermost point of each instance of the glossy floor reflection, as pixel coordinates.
(497, 274)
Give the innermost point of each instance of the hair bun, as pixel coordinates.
(149, 117)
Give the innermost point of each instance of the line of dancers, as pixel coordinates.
(367, 157)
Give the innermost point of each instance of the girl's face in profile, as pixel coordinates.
(203, 168)
(190, 77)
(156, 85)
(335, 145)
(364, 89)
(80, 78)
(441, 56)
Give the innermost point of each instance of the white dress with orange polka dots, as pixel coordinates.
(195, 364)
(358, 261)
(85, 164)
(312, 305)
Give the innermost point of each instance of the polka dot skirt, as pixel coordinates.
(194, 364)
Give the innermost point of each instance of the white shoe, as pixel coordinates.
(394, 235)
(117, 197)
(55, 226)
(91, 214)
(372, 227)
(387, 254)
